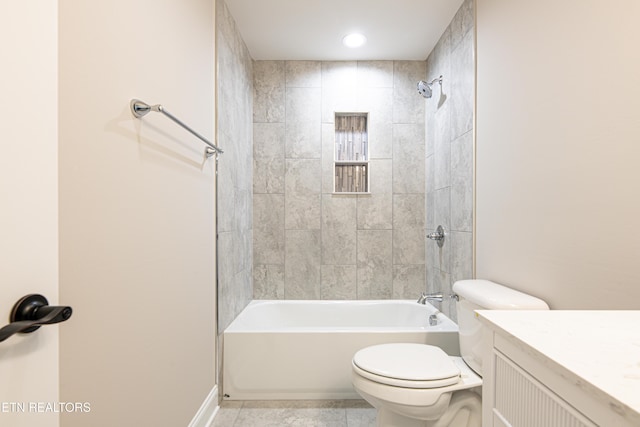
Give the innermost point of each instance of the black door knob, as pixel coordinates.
(31, 312)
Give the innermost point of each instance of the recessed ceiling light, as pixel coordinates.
(354, 40)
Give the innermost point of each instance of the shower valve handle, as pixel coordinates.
(438, 236)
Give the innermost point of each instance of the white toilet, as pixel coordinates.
(419, 385)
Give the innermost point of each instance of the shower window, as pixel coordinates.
(351, 166)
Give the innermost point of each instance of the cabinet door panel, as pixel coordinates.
(524, 402)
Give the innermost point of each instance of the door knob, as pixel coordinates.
(31, 312)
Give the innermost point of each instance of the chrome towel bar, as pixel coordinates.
(140, 108)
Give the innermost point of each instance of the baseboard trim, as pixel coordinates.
(207, 412)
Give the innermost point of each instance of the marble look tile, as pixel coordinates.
(430, 173)
(268, 229)
(442, 202)
(338, 229)
(408, 106)
(268, 175)
(268, 281)
(374, 264)
(268, 91)
(462, 90)
(430, 211)
(303, 417)
(374, 211)
(302, 194)
(462, 183)
(227, 414)
(409, 281)
(442, 167)
(408, 229)
(268, 158)
(235, 175)
(380, 137)
(439, 60)
(408, 246)
(269, 105)
(268, 74)
(339, 74)
(408, 158)
(338, 89)
(338, 100)
(338, 282)
(303, 140)
(226, 197)
(440, 257)
(303, 105)
(461, 256)
(361, 417)
(374, 74)
(303, 73)
(268, 140)
(462, 22)
(429, 129)
(328, 156)
(326, 413)
(302, 265)
(303, 130)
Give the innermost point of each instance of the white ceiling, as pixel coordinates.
(313, 29)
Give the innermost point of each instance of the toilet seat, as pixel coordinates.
(417, 366)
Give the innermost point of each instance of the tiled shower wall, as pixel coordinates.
(235, 169)
(449, 156)
(309, 243)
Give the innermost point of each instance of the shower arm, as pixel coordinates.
(437, 79)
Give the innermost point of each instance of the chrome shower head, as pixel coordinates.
(425, 89)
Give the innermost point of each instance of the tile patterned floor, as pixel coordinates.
(296, 413)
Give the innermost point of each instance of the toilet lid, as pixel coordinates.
(404, 361)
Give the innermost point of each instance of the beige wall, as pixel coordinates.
(136, 211)
(29, 212)
(558, 146)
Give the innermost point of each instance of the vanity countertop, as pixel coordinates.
(599, 351)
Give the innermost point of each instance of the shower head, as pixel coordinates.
(425, 88)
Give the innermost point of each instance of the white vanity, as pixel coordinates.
(561, 368)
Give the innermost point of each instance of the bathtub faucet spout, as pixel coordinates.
(439, 297)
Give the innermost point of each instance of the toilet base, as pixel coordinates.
(386, 418)
(464, 410)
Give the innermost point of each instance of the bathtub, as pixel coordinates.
(287, 350)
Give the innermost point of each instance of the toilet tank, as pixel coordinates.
(485, 295)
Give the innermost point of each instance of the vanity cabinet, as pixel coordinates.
(521, 400)
(534, 375)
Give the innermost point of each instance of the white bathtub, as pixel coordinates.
(303, 349)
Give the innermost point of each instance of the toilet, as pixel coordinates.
(419, 385)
